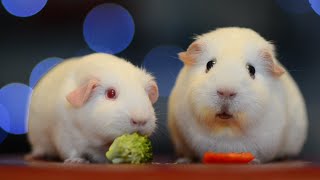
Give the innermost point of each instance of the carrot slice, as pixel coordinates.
(211, 157)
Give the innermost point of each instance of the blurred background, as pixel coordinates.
(35, 35)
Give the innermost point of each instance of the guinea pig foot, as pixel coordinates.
(76, 161)
(183, 161)
(255, 161)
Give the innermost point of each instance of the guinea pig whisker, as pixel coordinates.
(159, 102)
(162, 124)
(163, 133)
(158, 131)
(160, 113)
(174, 57)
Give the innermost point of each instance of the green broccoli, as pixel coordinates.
(130, 148)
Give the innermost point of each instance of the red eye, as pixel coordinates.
(111, 94)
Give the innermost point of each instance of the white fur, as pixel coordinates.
(57, 129)
(276, 120)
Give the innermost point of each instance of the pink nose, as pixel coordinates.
(138, 122)
(226, 93)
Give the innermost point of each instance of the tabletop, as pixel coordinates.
(15, 167)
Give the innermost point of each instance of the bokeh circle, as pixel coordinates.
(315, 5)
(42, 68)
(24, 8)
(16, 98)
(4, 118)
(164, 64)
(108, 28)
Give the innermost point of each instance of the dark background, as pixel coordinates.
(57, 31)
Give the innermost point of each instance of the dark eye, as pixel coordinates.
(210, 64)
(111, 93)
(251, 70)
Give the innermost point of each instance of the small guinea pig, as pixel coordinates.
(232, 95)
(83, 104)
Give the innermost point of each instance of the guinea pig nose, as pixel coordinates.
(136, 122)
(226, 93)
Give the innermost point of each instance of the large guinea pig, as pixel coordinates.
(232, 95)
(83, 104)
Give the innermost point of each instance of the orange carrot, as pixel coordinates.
(211, 157)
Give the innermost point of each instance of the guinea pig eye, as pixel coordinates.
(251, 70)
(111, 93)
(210, 64)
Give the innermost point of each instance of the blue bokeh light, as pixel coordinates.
(315, 4)
(16, 98)
(108, 28)
(4, 118)
(4, 122)
(24, 8)
(164, 64)
(42, 68)
(294, 6)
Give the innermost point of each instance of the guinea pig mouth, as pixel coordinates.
(224, 115)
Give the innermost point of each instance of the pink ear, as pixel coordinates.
(276, 69)
(189, 57)
(81, 95)
(153, 92)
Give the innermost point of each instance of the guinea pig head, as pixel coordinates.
(231, 77)
(113, 105)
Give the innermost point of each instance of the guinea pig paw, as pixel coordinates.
(255, 161)
(183, 160)
(76, 161)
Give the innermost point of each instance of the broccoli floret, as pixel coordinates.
(130, 148)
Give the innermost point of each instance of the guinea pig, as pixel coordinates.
(80, 106)
(233, 95)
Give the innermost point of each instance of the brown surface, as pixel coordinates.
(13, 167)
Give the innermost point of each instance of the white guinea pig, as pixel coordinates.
(232, 95)
(83, 104)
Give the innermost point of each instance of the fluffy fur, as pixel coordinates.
(83, 134)
(269, 115)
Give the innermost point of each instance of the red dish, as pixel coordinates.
(211, 157)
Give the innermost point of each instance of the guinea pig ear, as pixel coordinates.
(80, 95)
(189, 57)
(153, 92)
(275, 69)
